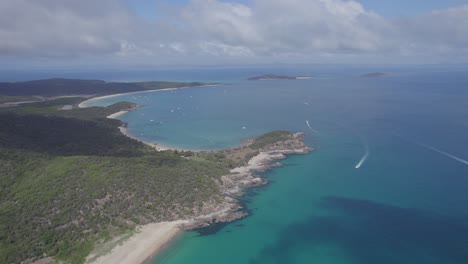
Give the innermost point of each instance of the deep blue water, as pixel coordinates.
(407, 203)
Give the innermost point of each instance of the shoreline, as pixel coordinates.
(153, 238)
(83, 104)
(149, 241)
(157, 146)
(124, 129)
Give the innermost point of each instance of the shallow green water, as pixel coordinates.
(405, 204)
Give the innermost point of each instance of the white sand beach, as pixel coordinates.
(116, 115)
(124, 130)
(84, 103)
(149, 240)
(157, 146)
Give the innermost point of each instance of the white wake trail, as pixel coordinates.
(443, 153)
(364, 158)
(308, 125)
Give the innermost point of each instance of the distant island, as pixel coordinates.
(374, 75)
(277, 77)
(74, 187)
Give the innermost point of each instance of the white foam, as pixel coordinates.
(308, 125)
(443, 153)
(364, 158)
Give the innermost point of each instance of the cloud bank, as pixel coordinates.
(213, 30)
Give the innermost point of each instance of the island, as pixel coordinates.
(75, 189)
(374, 75)
(277, 77)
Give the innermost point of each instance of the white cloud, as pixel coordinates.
(442, 31)
(221, 49)
(53, 27)
(223, 22)
(260, 30)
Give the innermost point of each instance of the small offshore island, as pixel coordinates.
(76, 189)
(374, 75)
(277, 77)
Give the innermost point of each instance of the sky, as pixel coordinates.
(111, 33)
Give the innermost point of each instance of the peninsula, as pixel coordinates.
(74, 189)
(14, 93)
(277, 77)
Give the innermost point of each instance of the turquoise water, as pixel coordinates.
(405, 204)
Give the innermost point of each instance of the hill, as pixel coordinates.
(63, 87)
(69, 180)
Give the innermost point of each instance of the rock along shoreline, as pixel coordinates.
(151, 239)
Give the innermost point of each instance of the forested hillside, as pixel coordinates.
(69, 178)
(62, 87)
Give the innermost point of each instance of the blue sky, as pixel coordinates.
(181, 32)
(409, 7)
(389, 8)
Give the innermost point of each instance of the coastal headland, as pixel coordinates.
(77, 187)
(259, 154)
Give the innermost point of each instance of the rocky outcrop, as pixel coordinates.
(246, 176)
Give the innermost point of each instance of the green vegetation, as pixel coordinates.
(69, 178)
(61, 87)
(54, 108)
(6, 98)
(61, 205)
(65, 136)
(43, 127)
(270, 138)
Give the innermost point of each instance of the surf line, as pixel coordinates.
(308, 125)
(442, 152)
(364, 158)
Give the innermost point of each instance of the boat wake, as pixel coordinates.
(442, 152)
(364, 158)
(311, 129)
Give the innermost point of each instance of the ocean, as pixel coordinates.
(387, 182)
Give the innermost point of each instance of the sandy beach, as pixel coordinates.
(84, 103)
(116, 115)
(149, 240)
(124, 130)
(157, 146)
